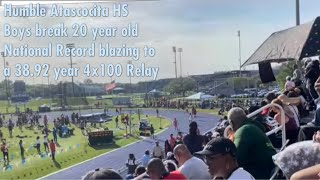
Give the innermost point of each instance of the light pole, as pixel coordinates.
(239, 51)
(180, 53)
(5, 78)
(175, 59)
(130, 62)
(49, 95)
(297, 12)
(71, 46)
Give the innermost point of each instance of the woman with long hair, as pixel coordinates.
(290, 123)
(193, 140)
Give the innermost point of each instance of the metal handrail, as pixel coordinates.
(282, 125)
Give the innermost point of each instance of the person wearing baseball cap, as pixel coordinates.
(220, 156)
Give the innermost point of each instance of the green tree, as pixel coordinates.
(181, 85)
(286, 69)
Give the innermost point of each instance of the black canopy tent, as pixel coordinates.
(294, 43)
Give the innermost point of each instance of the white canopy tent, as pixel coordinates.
(200, 96)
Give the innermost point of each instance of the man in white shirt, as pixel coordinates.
(220, 156)
(157, 151)
(191, 167)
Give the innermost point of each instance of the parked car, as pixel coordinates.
(99, 98)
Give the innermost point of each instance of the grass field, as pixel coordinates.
(72, 150)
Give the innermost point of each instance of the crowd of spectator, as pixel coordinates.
(239, 148)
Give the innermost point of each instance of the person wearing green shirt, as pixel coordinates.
(254, 149)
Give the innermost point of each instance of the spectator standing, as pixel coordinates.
(117, 122)
(5, 152)
(131, 164)
(189, 166)
(54, 133)
(312, 74)
(21, 149)
(45, 121)
(179, 137)
(53, 149)
(190, 118)
(45, 143)
(38, 143)
(157, 151)
(152, 131)
(194, 112)
(172, 142)
(175, 124)
(297, 75)
(10, 127)
(193, 141)
(167, 147)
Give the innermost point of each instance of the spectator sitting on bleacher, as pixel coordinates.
(311, 172)
(145, 159)
(170, 165)
(138, 171)
(191, 167)
(254, 149)
(290, 123)
(269, 98)
(258, 120)
(316, 120)
(102, 174)
(170, 156)
(289, 84)
(156, 170)
(303, 106)
(220, 156)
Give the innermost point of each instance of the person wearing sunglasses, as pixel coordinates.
(220, 156)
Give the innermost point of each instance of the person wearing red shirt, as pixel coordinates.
(53, 149)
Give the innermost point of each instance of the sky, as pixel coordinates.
(206, 30)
